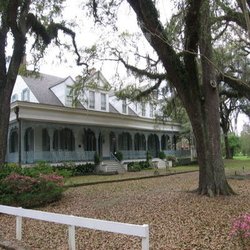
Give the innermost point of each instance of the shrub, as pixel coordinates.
(97, 159)
(148, 156)
(162, 155)
(9, 168)
(84, 169)
(27, 191)
(134, 167)
(144, 164)
(241, 230)
(119, 155)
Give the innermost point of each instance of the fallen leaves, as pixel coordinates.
(177, 219)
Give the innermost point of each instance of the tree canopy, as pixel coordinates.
(184, 59)
(22, 22)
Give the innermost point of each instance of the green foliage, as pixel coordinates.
(148, 156)
(245, 139)
(84, 169)
(234, 143)
(144, 164)
(173, 159)
(21, 190)
(119, 155)
(138, 166)
(162, 155)
(97, 159)
(134, 167)
(70, 169)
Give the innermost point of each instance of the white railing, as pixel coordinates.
(141, 231)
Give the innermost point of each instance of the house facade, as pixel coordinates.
(47, 123)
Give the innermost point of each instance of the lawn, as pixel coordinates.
(89, 179)
(231, 167)
(178, 219)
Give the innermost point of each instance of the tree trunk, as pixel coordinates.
(206, 128)
(199, 96)
(5, 94)
(212, 178)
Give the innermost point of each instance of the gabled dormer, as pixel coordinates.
(94, 94)
(63, 91)
(22, 91)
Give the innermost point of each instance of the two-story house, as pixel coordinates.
(48, 122)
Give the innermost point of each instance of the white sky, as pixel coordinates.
(87, 35)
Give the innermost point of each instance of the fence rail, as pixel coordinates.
(141, 231)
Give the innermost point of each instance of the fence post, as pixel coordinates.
(145, 239)
(18, 227)
(72, 241)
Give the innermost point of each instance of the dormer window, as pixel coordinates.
(91, 99)
(26, 95)
(103, 101)
(151, 111)
(143, 109)
(124, 106)
(68, 96)
(14, 98)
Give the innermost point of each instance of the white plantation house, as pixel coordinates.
(46, 124)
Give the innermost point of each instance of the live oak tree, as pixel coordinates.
(188, 65)
(22, 21)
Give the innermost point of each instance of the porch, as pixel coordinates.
(29, 142)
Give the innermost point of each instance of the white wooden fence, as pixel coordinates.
(141, 231)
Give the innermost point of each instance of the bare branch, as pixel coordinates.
(50, 33)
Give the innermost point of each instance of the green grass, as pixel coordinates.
(242, 157)
(78, 180)
(237, 166)
(231, 167)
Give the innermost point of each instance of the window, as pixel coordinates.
(13, 147)
(45, 140)
(69, 96)
(143, 109)
(136, 106)
(67, 139)
(151, 113)
(56, 140)
(91, 99)
(125, 141)
(103, 101)
(89, 140)
(63, 140)
(140, 142)
(124, 106)
(14, 98)
(29, 140)
(26, 95)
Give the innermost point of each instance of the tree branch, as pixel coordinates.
(50, 33)
(154, 32)
(239, 85)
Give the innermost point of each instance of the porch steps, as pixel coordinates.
(112, 166)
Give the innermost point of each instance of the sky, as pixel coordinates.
(88, 35)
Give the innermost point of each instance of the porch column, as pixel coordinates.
(51, 133)
(160, 146)
(146, 139)
(20, 136)
(97, 132)
(171, 142)
(133, 140)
